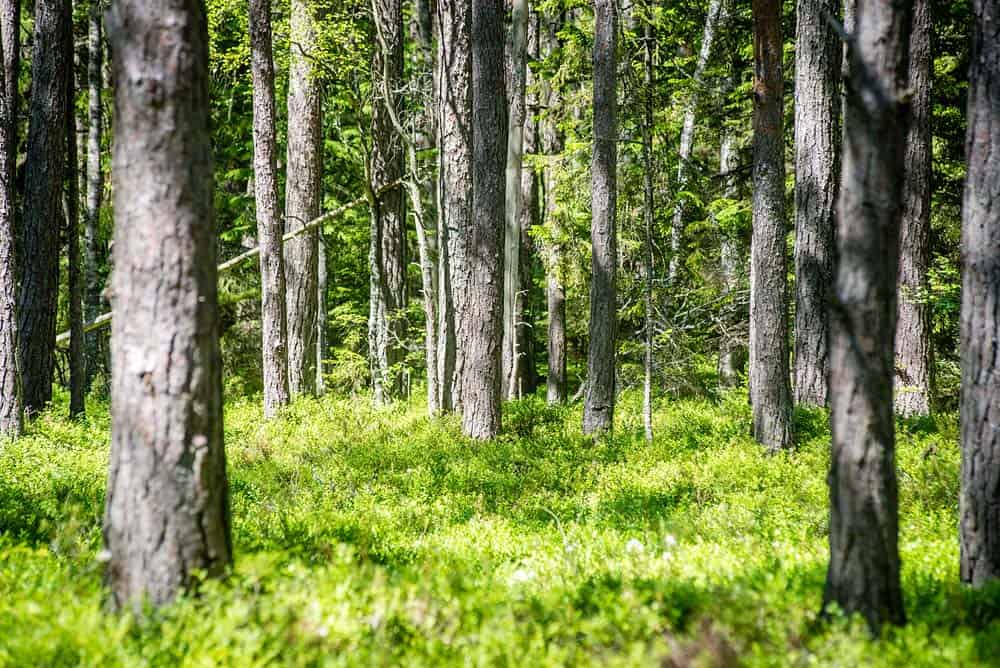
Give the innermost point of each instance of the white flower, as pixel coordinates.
(634, 546)
(571, 548)
(521, 576)
(104, 556)
(670, 541)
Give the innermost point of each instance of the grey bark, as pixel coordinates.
(514, 199)
(979, 500)
(863, 574)
(39, 251)
(477, 280)
(599, 405)
(817, 166)
(647, 225)
(387, 255)
(71, 216)
(302, 202)
(274, 327)
(914, 387)
(10, 382)
(732, 347)
(770, 393)
(167, 509)
(93, 253)
(715, 10)
(321, 311)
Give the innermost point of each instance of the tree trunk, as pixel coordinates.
(321, 310)
(647, 224)
(514, 200)
(10, 381)
(687, 141)
(599, 406)
(167, 514)
(93, 253)
(274, 327)
(387, 257)
(979, 506)
(863, 575)
(39, 250)
(770, 394)
(302, 202)
(455, 173)
(914, 387)
(477, 279)
(817, 164)
(552, 145)
(71, 215)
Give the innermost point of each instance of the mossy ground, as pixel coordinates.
(373, 537)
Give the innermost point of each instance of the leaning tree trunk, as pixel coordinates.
(454, 101)
(302, 201)
(599, 406)
(39, 250)
(71, 214)
(477, 280)
(514, 195)
(817, 166)
(979, 500)
(167, 514)
(274, 328)
(10, 381)
(863, 575)
(95, 187)
(770, 394)
(387, 255)
(914, 364)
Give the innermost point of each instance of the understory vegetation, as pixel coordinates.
(376, 536)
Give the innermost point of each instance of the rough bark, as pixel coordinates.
(514, 199)
(10, 381)
(71, 216)
(167, 512)
(914, 387)
(387, 255)
(39, 251)
(817, 166)
(770, 393)
(93, 253)
(979, 500)
(302, 202)
(687, 141)
(863, 575)
(454, 101)
(477, 280)
(599, 406)
(274, 328)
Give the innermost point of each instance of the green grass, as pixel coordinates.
(374, 537)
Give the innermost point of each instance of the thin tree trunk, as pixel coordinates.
(863, 575)
(770, 393)
(687, 141)
(817, 166)
(647, 224)
(10, 382)
(321, 311)
(39, 250)
(387, 257)
(732, 349)
(599, 406)
(302, 202)
(93, 254)
(167, 513)
(914, 387)
(514, 199)
(71, 215)
(979, 500)
(477, 278)
(274, 327)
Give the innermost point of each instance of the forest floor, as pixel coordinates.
(374, 537)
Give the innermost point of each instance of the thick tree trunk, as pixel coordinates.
(599, 406)
(10, 381)
(93, 253)
(477, 280)
(979, 500)
(455, 153)
(863, 575)
(514, 199)
(39, 250)
(914, 388)
(71, 215)
(274, 327)
(167, 514)
(817, 166)
(387, 256)
(552, 145)
(687, 141)
(302, 202)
